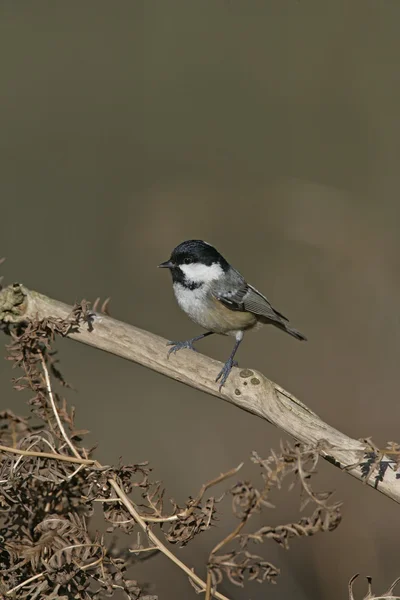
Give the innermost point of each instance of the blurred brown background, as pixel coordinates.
(269, 128)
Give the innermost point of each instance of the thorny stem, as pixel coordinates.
(53, 406)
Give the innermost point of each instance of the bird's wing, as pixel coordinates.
(245, 297)
(258, 304)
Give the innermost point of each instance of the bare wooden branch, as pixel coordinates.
(247, 389)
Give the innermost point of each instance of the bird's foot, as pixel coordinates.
(225, 371)
(175, 346)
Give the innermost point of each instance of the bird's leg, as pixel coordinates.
(175, 346)
(227, 368)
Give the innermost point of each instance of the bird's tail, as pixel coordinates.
(292, 331)
(295, 333)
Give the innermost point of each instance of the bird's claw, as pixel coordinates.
(175, 346)
(225, 371)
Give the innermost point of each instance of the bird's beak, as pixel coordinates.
(166, 265)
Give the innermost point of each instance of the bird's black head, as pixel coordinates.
(195, 262)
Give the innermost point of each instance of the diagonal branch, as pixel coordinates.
(247, 389)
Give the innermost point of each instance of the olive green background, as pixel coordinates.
(268, 128)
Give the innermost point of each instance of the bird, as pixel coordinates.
(218, 298)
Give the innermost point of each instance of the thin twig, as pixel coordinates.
(71, 459)
(90, 565)
(211, 483)
(73, 546)
(231, 536)
(105, 500)
(31, 446)
(169, 519)
(76, 471)
(208, 586)
(55, 411)
(138, 550)
(26, 582)
(196, 501)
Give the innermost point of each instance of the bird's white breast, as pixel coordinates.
(195, 303)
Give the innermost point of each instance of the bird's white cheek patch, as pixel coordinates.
(199, 273)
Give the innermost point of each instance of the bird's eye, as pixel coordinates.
(187, 261)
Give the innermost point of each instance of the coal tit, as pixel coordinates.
(218, 298)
